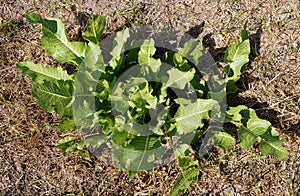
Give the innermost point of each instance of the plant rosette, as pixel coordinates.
(144, 96)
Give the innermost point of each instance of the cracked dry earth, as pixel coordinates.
(30, 164)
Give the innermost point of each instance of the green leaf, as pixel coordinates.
(122, 91)
(85, 112)
(119, 42)
(65, 141)
(254, 129)
(192, 50)
(244, 33)
(247, 137)
(118, 49)
(93, 59)
(135, 153)
(55, 96)
(144, 143)
(224, 140)
(56, 42)
(190, 115)
(233, 113)
(67, 145)
(236, 55)
(271, 145)
(184, 180)
(34, 18)
(85, 154)
(179, 79)
(145, 59)
(66, 124)
(188, 174)
(185, 162)
(38, 73)
(95, 141)
(134, 101)
(183, 150)
(94, 29)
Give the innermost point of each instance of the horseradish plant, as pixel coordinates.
(94, 96)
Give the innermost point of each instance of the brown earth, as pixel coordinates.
(30, 164)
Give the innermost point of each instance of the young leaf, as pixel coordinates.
(34, 18)
(84, 154)
(184, 180)
(192, 50)
(94, 29)
(233, 113)
(56, 42)
(224, 140)
(118, 48)
(38, 73)
(244, 33)
(68, 145)
(119, 42)
(237, 55)
(145, 58)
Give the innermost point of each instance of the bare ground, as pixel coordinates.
(30, 164)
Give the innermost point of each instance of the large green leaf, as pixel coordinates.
(135, 153)
(56, 42)
(94, 29)
(252, 127)
(55, 95)
(38, 73)
(190, 115)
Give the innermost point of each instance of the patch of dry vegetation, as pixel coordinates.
(29, 162)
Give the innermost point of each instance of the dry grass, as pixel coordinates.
(31, 165)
